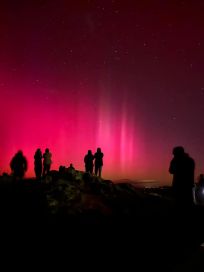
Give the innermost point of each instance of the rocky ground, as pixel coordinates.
(113, 224)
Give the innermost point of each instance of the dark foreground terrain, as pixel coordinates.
(75, 220)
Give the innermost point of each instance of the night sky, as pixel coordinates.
(126, 76)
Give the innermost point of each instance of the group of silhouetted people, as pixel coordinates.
(92, 161)
(42, 168)
(182, 167)
(42, 163)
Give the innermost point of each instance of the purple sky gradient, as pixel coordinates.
(123, 75)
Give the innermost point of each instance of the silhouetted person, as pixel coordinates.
(98, 156)
(38, 163)
(71, 167)
(71, 172)
(18, 165)
(182, 167)
(88, 160)
(46, 162)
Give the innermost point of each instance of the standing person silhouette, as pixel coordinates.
(19, 165)
(98, 156)
(88, 160)
(182, 167)
(38, 163)
(46, 162)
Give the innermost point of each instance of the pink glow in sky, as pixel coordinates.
(69, 126)
(126, 76)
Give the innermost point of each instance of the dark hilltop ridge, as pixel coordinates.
(103, 220)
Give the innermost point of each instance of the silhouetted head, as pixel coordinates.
(178, 151)
(47, 150)
(20, 153)
(98, 150)
(38, 150)
(89, 152)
